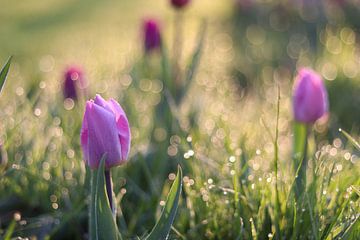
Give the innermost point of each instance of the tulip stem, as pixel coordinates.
(300, 152)
(178, 34)
(109, 190)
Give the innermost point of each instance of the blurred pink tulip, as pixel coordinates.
(105, 130)
(310, 100)
(152, 37)
(179, 3)
(74, 82)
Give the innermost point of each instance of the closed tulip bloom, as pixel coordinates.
(179, 3)
(310, 100)
(105, 130)
(152, 37)
(74, 82)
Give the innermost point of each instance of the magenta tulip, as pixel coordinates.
(105, 130)
(310, 101)
(179, 3)
(74, 82)
(152, 37)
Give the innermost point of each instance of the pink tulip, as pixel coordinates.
(105, 130)
(179, 3)
(310, 101)
(74, 82)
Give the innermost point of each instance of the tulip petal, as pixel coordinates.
(310, 97)
(123, 128)
(103, 137)
(102, 102)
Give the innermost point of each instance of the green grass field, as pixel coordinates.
(229, 126)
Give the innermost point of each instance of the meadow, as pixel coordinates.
(209, 90)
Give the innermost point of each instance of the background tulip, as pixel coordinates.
(152, 38)
(74, 82)
(105, 130)
(179, 3)
(310, 101)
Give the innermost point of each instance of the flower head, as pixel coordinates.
(152, 37)
(74, 82)
(105, 130)
(179, 3)
(310, 100)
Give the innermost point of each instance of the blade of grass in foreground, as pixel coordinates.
(3, 73)
(276, 158)
(350, 138)
(162, 227)
(10, 230)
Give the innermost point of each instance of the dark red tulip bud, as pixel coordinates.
(179, 3)
(152, 37)
(74, 82)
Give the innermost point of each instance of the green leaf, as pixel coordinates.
(102, 223)
(3, 73)
(10, 230)
(162, 227)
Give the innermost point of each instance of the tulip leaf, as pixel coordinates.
(102, 223)
(162, 227)
(3, 73)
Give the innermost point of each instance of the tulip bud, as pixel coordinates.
(179, 3)
(105, 130)
(310, 101)
(152, 37)
(74, 82)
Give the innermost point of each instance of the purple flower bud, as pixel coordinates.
(74, 82)
(179, 3)
(105, 130)
(310, 100)
(152, 38)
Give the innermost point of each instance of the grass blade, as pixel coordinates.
(10, 230)
(3, 73)
(329, 228)
(162, 227)
(350, 138)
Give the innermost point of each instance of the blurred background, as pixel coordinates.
(250, 47)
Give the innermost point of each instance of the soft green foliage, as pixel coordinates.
(228, 132)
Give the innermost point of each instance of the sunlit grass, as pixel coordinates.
(222, 135)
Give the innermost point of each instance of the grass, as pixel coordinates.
(234, 143)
